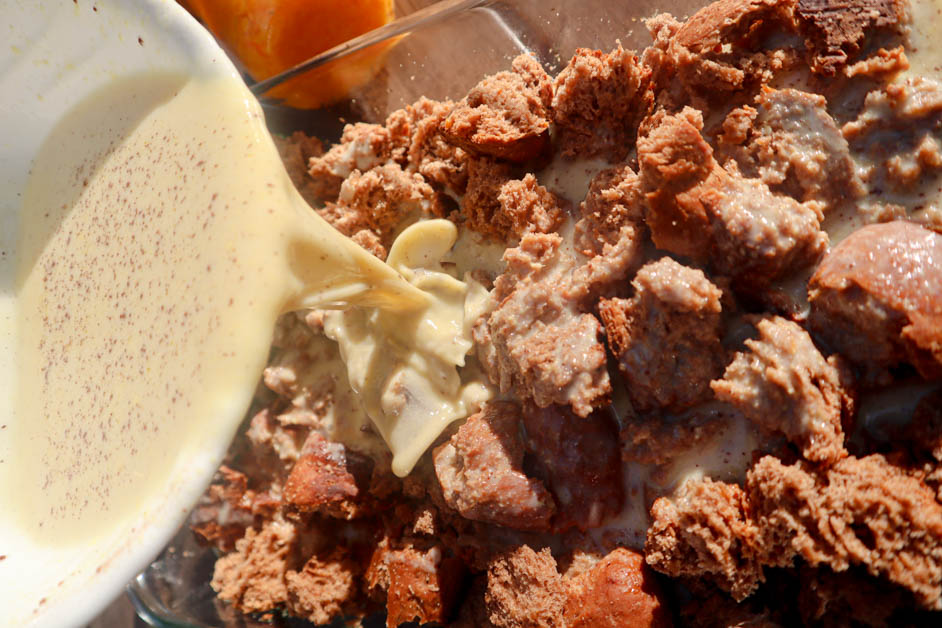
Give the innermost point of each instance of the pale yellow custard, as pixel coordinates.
(152, 272)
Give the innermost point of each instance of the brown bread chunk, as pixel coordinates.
(667, 337)
(480, 206)
(835, 31)
(614, 200)
(253, 577)
(737, 127)
(904, 106)
(227, 494)
(524, 590)
(504, 116)
(676, 167)
(883, 62)
(362, 147)
(707, 530)
(720, 48)
(528, 207)
(579, 461)
(504, 208)
(410, 138)
(527, 67)
(861, 511)
(882, 284)
(481, 471)
(784, 384)
(277, 446)
(371, 204)
(758, 236)
(323, 588)
(897, 135)
(419, 145)
(610, 233)
(423, 586)
(698, 209)
(795, 147)
(371, 242)
(328, 478)
(537, 342)
(618, 591)
(598, 102)
(381, 198)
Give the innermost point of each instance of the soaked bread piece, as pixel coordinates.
(882, 62)
(423, 585)
(898, 135)
(417, 581)
(524, 589)
(228, 493)
(481, 471)
(666, 337)
(707, 530)
(370, 205)
(618, 591)
(720, 49)
(536, 342)
(411, 137)
(253, 577)
(784, 384)
(480, 205)
(791, 142)
(504, 208)
(362, 147)
(381, 198)
(608, 236)
(878, 515)
(883, 284)
(613, 202)
(326, 586)
(700, 210)
(760, 237)
(330, 479)
(676, 168)
(529, 207)
(577, 457)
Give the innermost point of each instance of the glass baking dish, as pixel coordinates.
(440, 56)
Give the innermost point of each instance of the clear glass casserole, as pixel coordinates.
(440, 56)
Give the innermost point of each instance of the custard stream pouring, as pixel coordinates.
(158, 238)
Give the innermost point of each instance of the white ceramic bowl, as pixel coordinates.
(55, 54)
